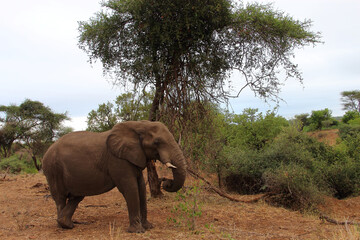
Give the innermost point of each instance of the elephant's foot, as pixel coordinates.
(65, 223)
(136, 229)
(147, 225)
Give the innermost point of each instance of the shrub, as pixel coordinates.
(350, 136)
(188, 209)
(317, 119)
(17, 164)
(292, 186)
(344, 178)
(245, 171)
(297, 169)
(329, 123)
(350, 115)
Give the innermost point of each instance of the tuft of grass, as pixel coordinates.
(349, 232)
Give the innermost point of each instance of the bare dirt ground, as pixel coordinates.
(26, 212)
(326, 136)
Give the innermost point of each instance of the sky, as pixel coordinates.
(40, 58)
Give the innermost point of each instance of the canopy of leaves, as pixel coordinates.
(350, 115)
(128, 107)
(252, 130)
(187, 49)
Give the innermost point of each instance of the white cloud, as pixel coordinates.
(77, 123)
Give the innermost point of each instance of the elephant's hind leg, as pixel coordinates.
(64, 218)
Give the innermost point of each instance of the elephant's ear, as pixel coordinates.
(124, 142)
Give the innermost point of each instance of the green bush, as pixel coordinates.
(17, 164)
(355, 122)
(245, 170)
(292, 186)
(350, 115)
(330, 123)
(344, 178)
(318, 117)
(350, 136)
(297, 169)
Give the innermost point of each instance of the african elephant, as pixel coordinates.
(82, 164)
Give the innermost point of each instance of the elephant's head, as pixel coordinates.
(138, 142)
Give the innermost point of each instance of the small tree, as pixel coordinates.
(133, 106)
(351, 100)
(128, 107)
(102, 119)
(350, 115)
(303, 119)
(31, 123)
(317, 118)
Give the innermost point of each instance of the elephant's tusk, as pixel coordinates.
(169, 165)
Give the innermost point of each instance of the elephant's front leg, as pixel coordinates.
(143, 205)
(133, 204)
(125, 175)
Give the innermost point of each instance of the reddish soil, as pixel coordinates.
(326, 136)
(26, 212)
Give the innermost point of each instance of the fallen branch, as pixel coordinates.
(221, 193)
(330, 220)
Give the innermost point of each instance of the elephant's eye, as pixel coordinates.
(157, 141)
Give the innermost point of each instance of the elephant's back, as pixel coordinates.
(75, 147)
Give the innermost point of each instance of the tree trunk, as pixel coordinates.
(153, 178)
(35, 163)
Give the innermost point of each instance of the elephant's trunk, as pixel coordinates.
(179, 175)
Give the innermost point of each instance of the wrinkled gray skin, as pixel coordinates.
(85, 163)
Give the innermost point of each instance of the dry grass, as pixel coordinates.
(349, 232)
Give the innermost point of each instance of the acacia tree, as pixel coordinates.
(351, 100)
(186, 50)
(31, 123)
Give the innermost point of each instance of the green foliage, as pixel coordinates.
(293, 186)
(317, 118)
(103, 119)
(128, 107)
(133, 107)
(343, 177)
(350, 115)
(252, 130)
(188, 208)
(17, 164)
(355, 122)
(350, 136)
(246, 136)
(243, 170)
(296, 168)
(303, 119)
